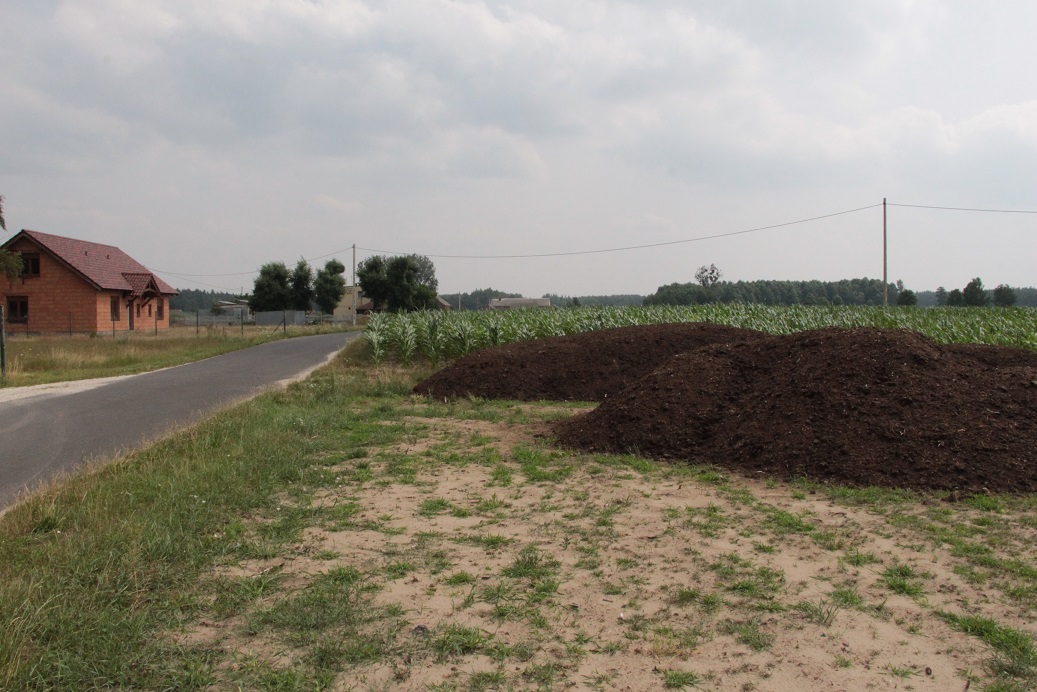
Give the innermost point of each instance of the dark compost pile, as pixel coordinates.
(580, 367)
(851, 406)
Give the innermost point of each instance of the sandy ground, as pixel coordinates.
(656, 574)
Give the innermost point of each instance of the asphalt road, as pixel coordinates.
(56, 430)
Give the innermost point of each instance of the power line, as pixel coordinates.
(991, 211)
(553, 254)
(636, 247)
(618, 249)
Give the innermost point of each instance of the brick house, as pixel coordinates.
(70, 285)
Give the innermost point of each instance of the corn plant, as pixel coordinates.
(431, 336)
(375, 336)
(405, 339)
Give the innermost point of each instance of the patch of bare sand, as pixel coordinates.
(655, 572)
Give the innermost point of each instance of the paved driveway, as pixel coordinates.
(53, 428)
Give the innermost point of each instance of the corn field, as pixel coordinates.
(438, 336)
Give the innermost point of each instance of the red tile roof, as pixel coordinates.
(105, 266)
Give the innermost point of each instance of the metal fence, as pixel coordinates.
(290, 318)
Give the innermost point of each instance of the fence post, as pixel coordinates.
(3, 345)
(285, 322)
(197, 322)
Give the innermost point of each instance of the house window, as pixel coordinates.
(138, 309)
(149, 310)
(30, 264)
(18, 309)
(160, 311)
(115, 309)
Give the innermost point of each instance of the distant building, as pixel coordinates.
(349, 306)
(367, 307)
(238, 309)
(518, 303)
(70, 285)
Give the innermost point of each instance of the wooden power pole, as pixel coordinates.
(885, 279)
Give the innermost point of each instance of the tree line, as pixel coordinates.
(278, 288)
(711, 289)
(199, 300)
(975, 295)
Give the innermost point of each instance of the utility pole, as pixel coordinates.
(885, 279)
(354, 284)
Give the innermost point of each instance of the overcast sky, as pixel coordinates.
(206, 137)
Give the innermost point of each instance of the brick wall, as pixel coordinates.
(58, 298)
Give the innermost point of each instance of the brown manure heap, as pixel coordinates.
(850, 406)
(859, 407)
(591, 366)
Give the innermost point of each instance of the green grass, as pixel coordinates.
(822, 612)
(680, 679)
(456, 640)
(903, 580)
(532, 564)
(859, 559)
(432, 507)
(685, 597)
(749, 634)
(1015, 657)
(459, 579)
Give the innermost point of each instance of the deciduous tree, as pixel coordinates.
(302, 286)
(1005, 296)
(907, 298)
(272, 288)
(10, 264)
(401, 283)
(974, 294)
(708, 277)
(406, 292)
(370, 274)
(330, 286)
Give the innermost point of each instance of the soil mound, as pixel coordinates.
(580, 367)
(851, 406)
